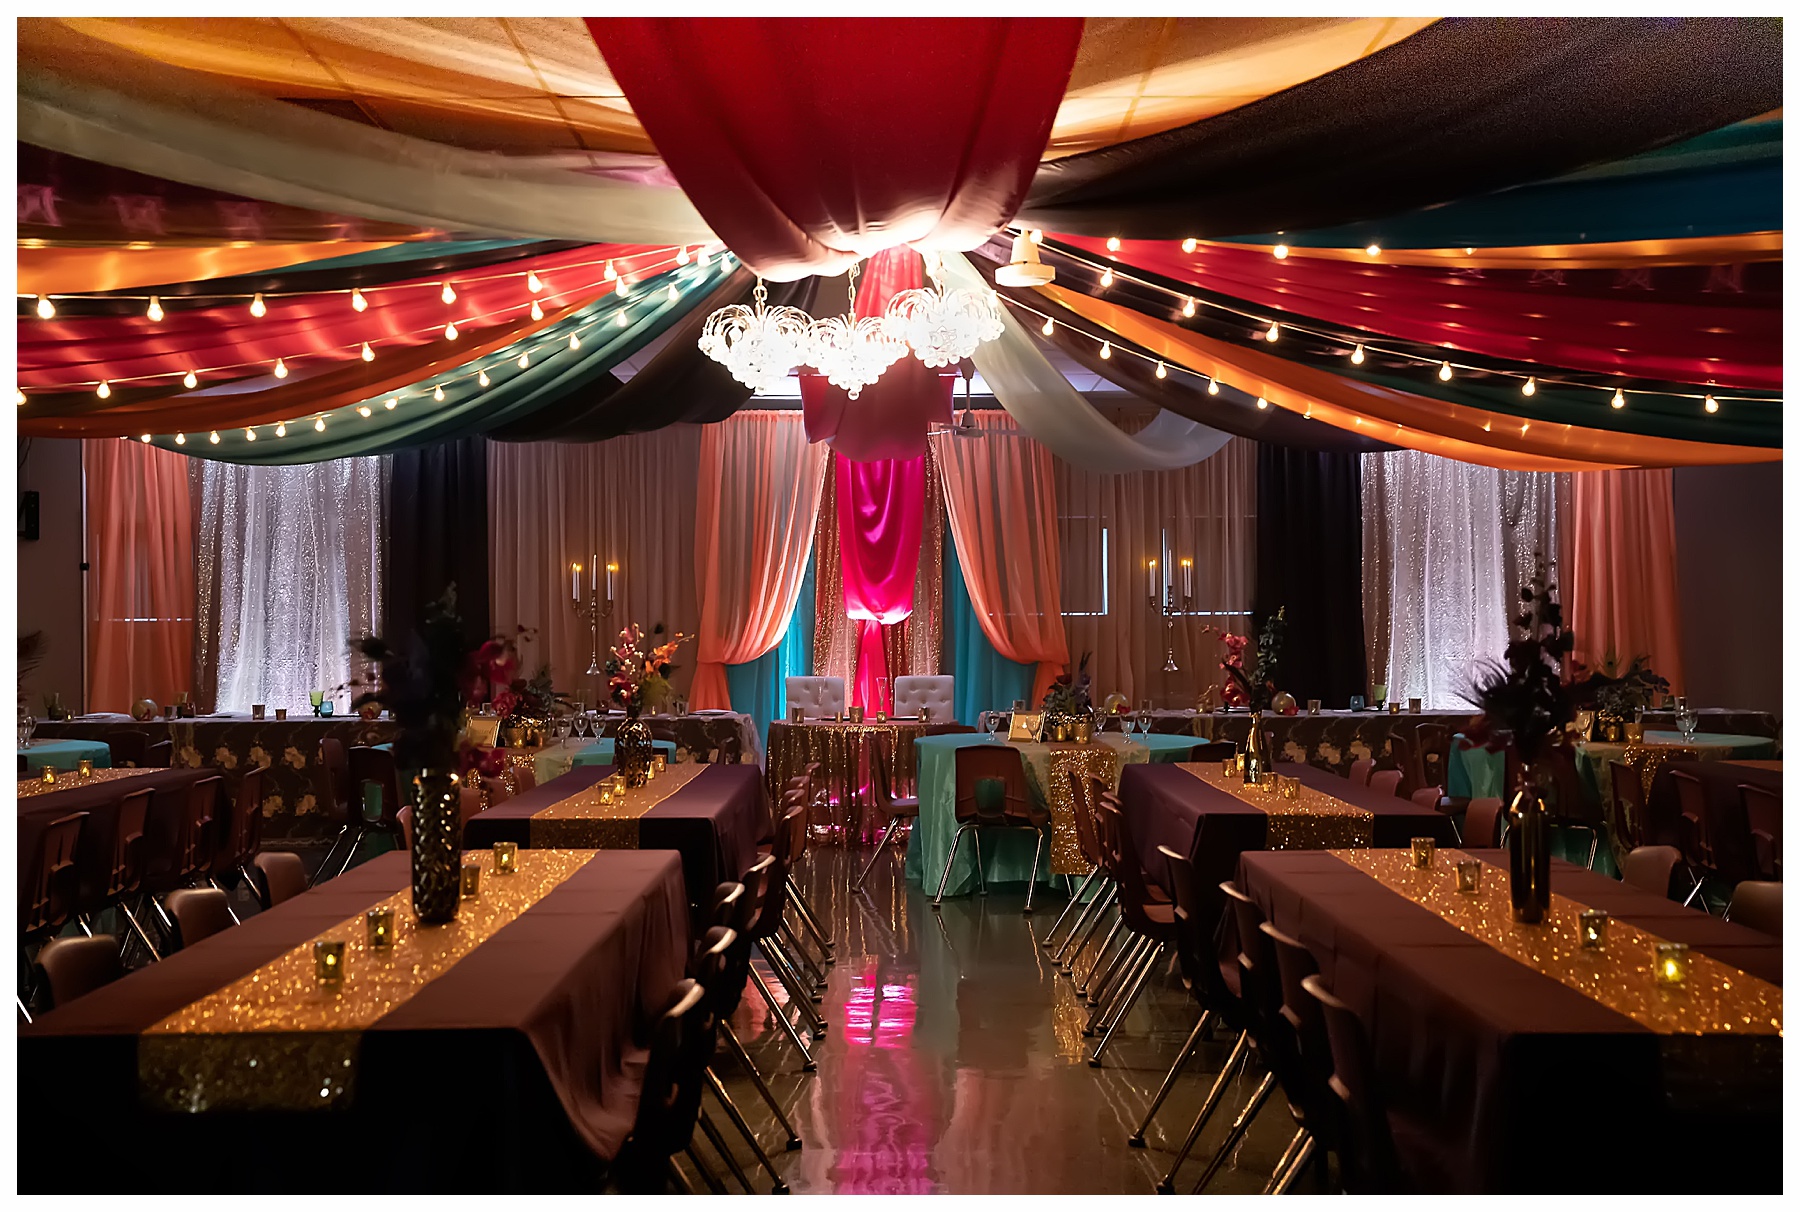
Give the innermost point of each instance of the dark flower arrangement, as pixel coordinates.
(1525, 695)
(1254, 688)
(1071, 695)
(1618, 693)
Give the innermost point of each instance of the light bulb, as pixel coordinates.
(368, 355)
(319, 425)
(524, 359)
(703, 258)
(1106, 279)
(181, 439)
(623, 289)
(1374, 250)
(104, 390)
(1712, 405)
(1106, 349)
(1281, 252)
(533, 283)
(482, 378)
(448, 294)
(45, 308)
(1049, 328)
(1112, 244)
(674, 293)
(249, 435)
(1356, 356)
(681, 255)
(537, 313)
(1530, 387)
(357, 301)
(1212, 387)
(611, 274)
(1618, 400)
(574, 341)
(1274, 333)
(1162, 372)
(1262, 403)
(1037, 235)
(1444, 371)
(18, 397)
(281, 430)
(365, 411)
(1188, 308)
(1189, 245)
(450, 333)
(143, 437)
(280, 369)
(391, 402)
(623, 318)
(258, 308)
(154, 313)
(190, 380)
(437, 393)
(213, 437)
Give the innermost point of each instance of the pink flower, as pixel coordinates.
(504, 702)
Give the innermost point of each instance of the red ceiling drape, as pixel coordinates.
(808, 143)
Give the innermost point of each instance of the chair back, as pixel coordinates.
(283, 876)
(334, 781)
(1386, 782)
(1303, 1048)
(1757, 904)
(1213, 983)
(1123, 865)
(1651, 868)
(1762, 812)
(1627, 804)
(49, 892)
(129, 746)
(1360, 770)
(881, 780)
(790, 838)
(160, 756)
(404, 819)
(127, 874)
(199, 913)
(371, 765)
(1696, 844)
(1406, 760)
(1570, 799)
(817, 698)
(1431, 744)
(1370, 1163)
(936, 693)
(1481, 825)
(73, 967)
(977, 763)
(193, 829)
(242, 835)
(669, 1101)
(1259, 983)
(1085, 795)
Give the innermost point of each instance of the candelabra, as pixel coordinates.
(592, 609)
(1166, 606)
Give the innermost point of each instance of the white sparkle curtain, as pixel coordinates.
(289, 562)
(1446, 546)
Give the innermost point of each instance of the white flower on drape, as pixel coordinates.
(289, 562)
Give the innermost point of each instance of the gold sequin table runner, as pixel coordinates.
(1716, 998)
(582, 821)
(1047, 769)
(278, 1038)
(67, 779)
(1312, 820)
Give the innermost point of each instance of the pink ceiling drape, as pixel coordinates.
(881, 522)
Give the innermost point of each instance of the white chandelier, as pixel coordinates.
(941, 326)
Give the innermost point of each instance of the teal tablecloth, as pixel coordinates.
(1479, 772)
(1006, 854)
(1167, 746)
(600, 753)
(65, 755)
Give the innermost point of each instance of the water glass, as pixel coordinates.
(1356, 702)
(1144, 715)
(1688, 723)
(992, 720)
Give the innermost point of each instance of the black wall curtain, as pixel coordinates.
(437, 534)
(1309, 559)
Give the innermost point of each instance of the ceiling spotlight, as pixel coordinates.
(537, 313)
(1188, 308)
(1374, 250)
(1189, 245)
(154, 313)
(1444, 371)
(533, 283)
(357, 301)
(280, 369)
(391, 402)
(448, 294)
(1274, 333)
(45, 308)
(249, 435)
(1712, 405)
(1530, 387)
(1357, 356)
(1618, 400)
(143, 437)
(258, 308)
(181, 439)
(1106, 279)
(1212, 387)
(281, 430)
(213, 437)
(1162, 372)
(1281, 252)
(1106, 349)
(190, 380)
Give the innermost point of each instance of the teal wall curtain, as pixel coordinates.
(984, 678)
(759, 687)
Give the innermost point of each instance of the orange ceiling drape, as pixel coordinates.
(70, 271)
(1623, 254)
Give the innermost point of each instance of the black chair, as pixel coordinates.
(241, 837)
(47, 895)
(979, 766)
(1149, 920)
(1652, 869)
(1757, 904)
(896, 808)
(669, 1102)
(1305, 1064)
(184, 859)
(281, 876)
(1762, 813)
(129, 747)
(332, 790)
(160, 756)
(1484, 824)
(68, 968)
(767, 929)
(198, 913)
(1371, 1165)
(125, 881)
(365, 766)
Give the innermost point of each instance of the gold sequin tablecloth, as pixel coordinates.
(1312, 820)
(843, 751)
(1047, 769)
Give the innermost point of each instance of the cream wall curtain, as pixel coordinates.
(1446, 546)
(1112, 526)
(1624, 600)
(630, 500)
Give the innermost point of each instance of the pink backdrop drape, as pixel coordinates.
(1623, 596)
(141, 575)
(881, 522)
(1001, 494)
(758, 503)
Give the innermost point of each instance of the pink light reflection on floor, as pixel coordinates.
(894, 1138)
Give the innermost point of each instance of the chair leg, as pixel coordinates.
(1136, 1140)
(1239, 1127)
(1137, 989)
(711, 1130)
(326, 861)
(235, 919)
(808, 970)
(256, 889)
(1240, 1051)
(1093, 912)
(138, 929)
(1075, 895)
(808, 1064)
(808, 917)
(1286, 1160)
(682, 1185)
(743, 1058)
(1086, 983)
(980, 867)
(712, 1180)
(944, 880)
(1297, 1166)
(797, 994)
(1073, 958)
(731, 1112)
(1037, 856)
(1131, 949)
(23, 1012)
(893, 824)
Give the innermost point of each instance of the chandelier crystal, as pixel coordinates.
(852, 353)
(760, 345)
(941, 326)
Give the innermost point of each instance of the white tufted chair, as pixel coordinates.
(817, 697)
(937, 693)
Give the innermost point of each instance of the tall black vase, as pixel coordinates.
(633, 748)
(1528, 849)
(436, 847)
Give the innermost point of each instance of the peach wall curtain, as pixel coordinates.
(630, 500)
(1112, 526)
(140, 549)
(759, 486)
(1622, 595)
(1000, 490)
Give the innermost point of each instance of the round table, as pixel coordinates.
(64, 754)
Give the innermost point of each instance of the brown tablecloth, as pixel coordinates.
(1500, 1078)
(715, 821)
(1167, 806)
(518, 1069)
(1726, 824)
(100, 800)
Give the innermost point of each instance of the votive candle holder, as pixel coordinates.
(85, 768)
(258, 710)
(1228, 767)
(1414, 706)
(1671, 963)
(1290, 788)
(380, 925)
(1424, 849)
(328, 960)
(660, 762)
(471, 881)
(1468, 877)
(1312, 706)
(1394, 707)
(856, 715)
(48, 774)
(1593, 928)
(281, 713)
(506, 858)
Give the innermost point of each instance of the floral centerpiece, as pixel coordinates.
(638, 680)
(1070, 698)
(1618, 695)
(1254, 686)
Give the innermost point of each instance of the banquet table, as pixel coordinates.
(1726, 825)
(503, 1051)
(1213, 820)
(62, 755)
(842, 751)
(1007, 854)
(98, 796)
(713, 815)
(1477, 771)
(1511, 1059)
(600, 753)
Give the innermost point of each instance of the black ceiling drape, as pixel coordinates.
(437, 534)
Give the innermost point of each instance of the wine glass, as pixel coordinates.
(1688, 722)
(992, 720)
(1143, 716)
(580, 724)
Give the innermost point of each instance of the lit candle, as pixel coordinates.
(594, 575)
(1424, 849)
(86, 768)
(49, 775)
(1187, 578)
(471, 881)
(506, 858)
(1154, 587)
(1468, 877)
(610, 569)
(328, 960)
(380, 925)
(1593, 929)
(1671, 963)
(575, 581)
(660, 762)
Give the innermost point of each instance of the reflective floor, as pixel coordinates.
(954, 1061)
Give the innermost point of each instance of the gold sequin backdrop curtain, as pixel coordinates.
(629, 500)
